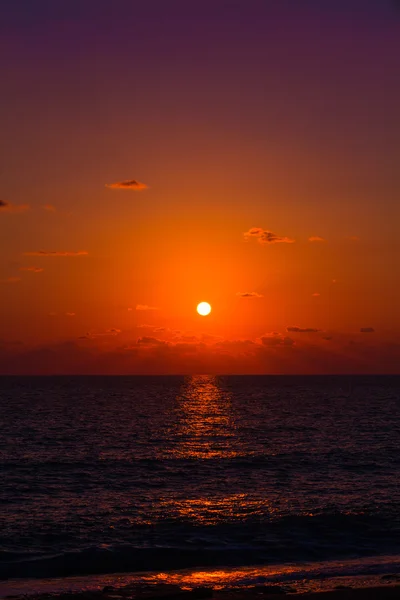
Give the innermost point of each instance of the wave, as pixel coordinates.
(130, 559)
(176, 544)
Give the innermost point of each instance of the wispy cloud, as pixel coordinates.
(130, 184)
(49, 207)
(249, 295)
(367, 330)
(295, 329)
(146, 307)
(7, 207)
(267, 237)
(70, 314)
(33, 269)
(316, 238)
(10, 280)
(56, 253)
(316, 294)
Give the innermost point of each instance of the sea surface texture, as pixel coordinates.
(107, 474)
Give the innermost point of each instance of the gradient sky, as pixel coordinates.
(239, 116)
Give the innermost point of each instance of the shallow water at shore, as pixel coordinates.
(295, 578)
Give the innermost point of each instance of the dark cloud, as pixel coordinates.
(295, 329)
(7, 207)
(130, 184)
(249, 295)
(56, 253)
(367, 330)
(267, 237)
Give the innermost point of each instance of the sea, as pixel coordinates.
(198, 480)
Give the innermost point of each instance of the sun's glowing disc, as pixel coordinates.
(204, 309)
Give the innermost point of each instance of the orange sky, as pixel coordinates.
(292, 134)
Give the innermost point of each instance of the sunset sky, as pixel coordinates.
(159, 153)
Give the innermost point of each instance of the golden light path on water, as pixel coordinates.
(205, 430)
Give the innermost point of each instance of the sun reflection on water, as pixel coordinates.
(205, 428)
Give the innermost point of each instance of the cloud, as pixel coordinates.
(367, 330)
(146, 307)
(295, 329)
(148, 355)
(70, 314)
(276, 340)
(10, 280)
(316, 294)
(91, 335)
(188, 338)
(151, 341)
(33, 269)
(316, 238)
(56, 253)
(249, 295)
(267, 237)
(130, 184)
(49, 207)
(236, 347)
(7, 207)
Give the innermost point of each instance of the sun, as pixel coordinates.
(204, 309)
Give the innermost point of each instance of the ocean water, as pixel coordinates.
(261, 475)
